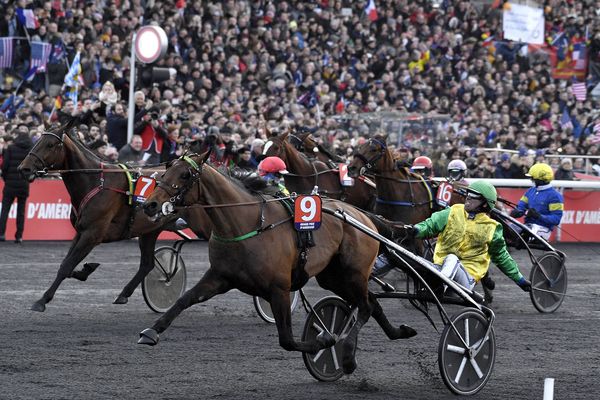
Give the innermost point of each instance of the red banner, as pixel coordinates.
(49, 206)
(581, 217)
(47, 213)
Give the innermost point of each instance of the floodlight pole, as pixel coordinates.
(131, 106)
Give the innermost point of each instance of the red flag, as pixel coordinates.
(371, 11)
(339, 107)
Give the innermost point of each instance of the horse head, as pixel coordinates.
(275, 146)
(47, 154)
(373, 155)
(174, 185)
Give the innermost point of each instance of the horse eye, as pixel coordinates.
(50, 145)
(186, 175)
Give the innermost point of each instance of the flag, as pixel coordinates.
(309, 98)
(371, 11)
(40, 54)
(30, 74)
(73, 77)
(58, 53)
(73, 94)
(579, 91)
(10, 106)
(7, 103)
(27, 18)
(565, 120)
(6, 52)
(579, 56)
(488, 40)
(58, 102)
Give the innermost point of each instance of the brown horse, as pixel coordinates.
(401, 195)
(254, 248)
(101, 210)
(306, 174)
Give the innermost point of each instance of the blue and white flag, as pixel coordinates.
(28, 77)
(73, 77)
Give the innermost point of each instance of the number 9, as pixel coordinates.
(308, 207)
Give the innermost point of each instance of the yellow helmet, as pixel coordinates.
(541, 172)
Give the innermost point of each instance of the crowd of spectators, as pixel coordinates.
(248, 66)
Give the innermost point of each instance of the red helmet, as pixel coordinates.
(272, 165)
(422, 162)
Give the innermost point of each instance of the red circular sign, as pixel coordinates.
(151, 43)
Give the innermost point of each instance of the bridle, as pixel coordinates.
(370, 163)
(177, 192)
(45, 167)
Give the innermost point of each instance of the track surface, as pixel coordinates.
(83, 346)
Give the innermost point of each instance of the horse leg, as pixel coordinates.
(82, 245)
(393, 333)
(146, 243)
(280, 305)
(209, 286)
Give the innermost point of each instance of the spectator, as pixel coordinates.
(116, 126)
(256, 149)
(15, 186)
(132, 152)
(565, 171)
(244, 155)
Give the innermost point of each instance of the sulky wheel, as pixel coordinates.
(166, 282)
(466, 369)
(326, 364)
(548, 283)
(263, 307)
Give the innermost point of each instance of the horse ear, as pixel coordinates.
(204, 157)
(47, 125)
(284, 135)
(66, 128)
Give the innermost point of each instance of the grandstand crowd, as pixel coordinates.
(245, 67)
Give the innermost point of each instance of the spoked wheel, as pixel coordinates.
(326, 365)
(466, 369)
(548, 283)
(263, 307)
(166, 282)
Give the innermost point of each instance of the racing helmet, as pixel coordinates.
(422, 162)
(541, 172)
(485, 189)
(272, 165)
(457, 169)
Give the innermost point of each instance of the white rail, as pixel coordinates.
(525, 183)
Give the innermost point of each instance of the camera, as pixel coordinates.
(154, 115)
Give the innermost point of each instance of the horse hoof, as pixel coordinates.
(149, 337)
(406, 332)
(39, 307)
(325, 339)
(121, 300)
(349, 366)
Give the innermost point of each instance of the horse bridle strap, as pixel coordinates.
(370, 163)
(45, 167)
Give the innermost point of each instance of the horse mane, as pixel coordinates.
(333, 157)
(89, 153)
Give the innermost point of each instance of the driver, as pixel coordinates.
(457, 171)
(542, 205)
(422, 165)
(468, 239)
(272, 169)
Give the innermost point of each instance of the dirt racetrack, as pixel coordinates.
(85, 347)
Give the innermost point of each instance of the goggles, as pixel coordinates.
(474, 196)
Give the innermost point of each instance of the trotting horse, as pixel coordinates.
(253, 248)
(401, 195)
(306, 174)
(101, 211)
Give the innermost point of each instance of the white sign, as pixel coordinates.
(523, 24)
(151, 43)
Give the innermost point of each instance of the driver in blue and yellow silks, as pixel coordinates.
(272, 169)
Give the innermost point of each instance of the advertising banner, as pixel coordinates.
(47, 213)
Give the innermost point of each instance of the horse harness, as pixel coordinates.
(370, 164)
(96, 189)
(304, 239)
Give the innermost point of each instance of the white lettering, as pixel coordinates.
(579, 217)
(568, 217)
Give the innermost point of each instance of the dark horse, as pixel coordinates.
(401, 195)
(253, 248)
(305, 174)
(101, 210)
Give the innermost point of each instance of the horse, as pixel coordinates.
(401, 194)
(101, 211)
(306, 174)
(253, 248)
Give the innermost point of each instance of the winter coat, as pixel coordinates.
(13, 155)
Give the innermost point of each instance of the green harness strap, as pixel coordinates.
(235, 239)
(129, 182)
